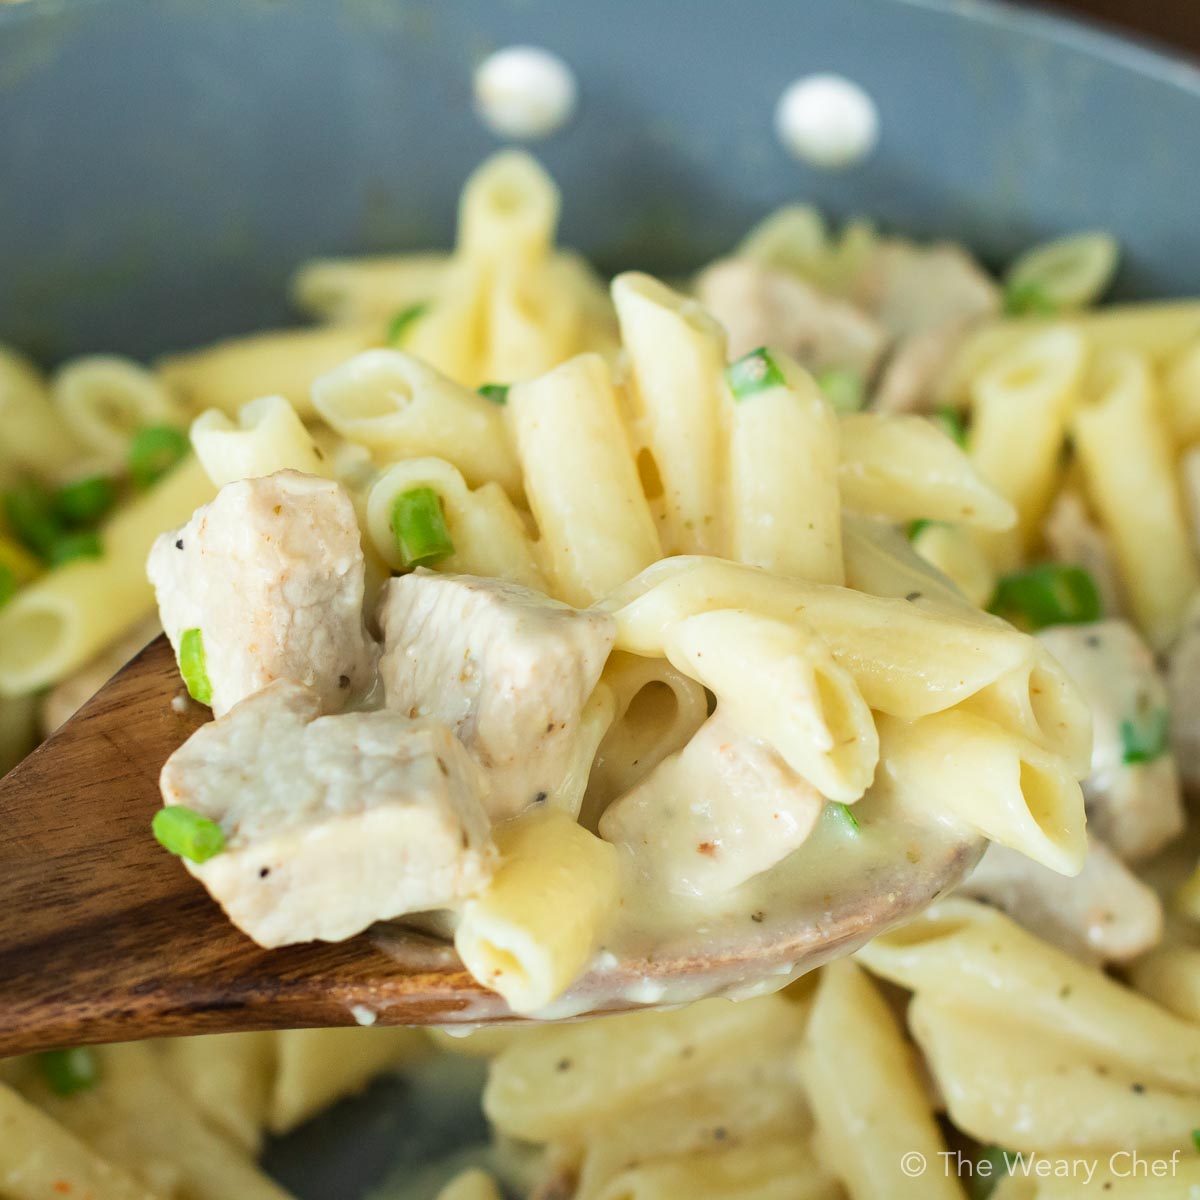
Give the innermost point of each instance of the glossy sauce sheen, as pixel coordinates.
(823, 901)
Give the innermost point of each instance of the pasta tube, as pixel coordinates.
(778, 681)
(784, 501)
(955, 764)
(620, 1060)
(1126, 458)
(106, 400)
(37, 437)
(971, 956)
(1157, 330)
(364, 290)
(676, 356)
(871, 1108)
(398, 407)
(903, 468)
(1024, 1089)
(1020, 408)
(595, 525)
(268, 437)
(907, 659)
(767, 1171)
(282, 362)
(39, 1158)
(60, 621)
(487, 531)
(532, 930)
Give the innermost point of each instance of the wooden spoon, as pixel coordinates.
(104, 938)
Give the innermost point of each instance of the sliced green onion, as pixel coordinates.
(8, 584)
(419, 526)
(193, 666)
(154, 451)
(497, 393)
(1066, 274)
(85, 501)
(983, 1181)
(29, 511)
(187, 833)
(1147, 737)
(70, 546)
(949, 421)
(846, 817)
(843, 388)
(1049, 594)
(1028, 300)
(398, 325)
(753, 373)
(69, 1071)
(918, 527)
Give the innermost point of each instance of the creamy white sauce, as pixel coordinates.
(821, 902)
(524, 92)
(827, 120)
(363, 1015)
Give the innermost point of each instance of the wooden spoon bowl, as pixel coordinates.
(104, 938)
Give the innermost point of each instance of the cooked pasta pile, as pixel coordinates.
(843, 524)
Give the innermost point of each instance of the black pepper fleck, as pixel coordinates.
(319, 453)
(343, 681)
(720, 1133)
(1138, 1089)
(563, 1064)
(540, 798)
(179, 544)
(913, 596)
(263, 872)
(757, 917)
(1091, 640)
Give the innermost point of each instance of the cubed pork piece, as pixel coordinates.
(911, 288)
(508, 669)
(763, 306)
(271, 572)
(723, 809)
(334, 822)
(1104, 914)
(909, 379)
(1132, 792)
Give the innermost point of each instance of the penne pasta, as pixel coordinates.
(267, 437)
(903, 468)
(784, 499)
(676, 356)
(965, 768)
(37, 436)
(531, 931)
(60, 621)
(907, 659)
(284, 362)
(779, 681)
(105, 400)
(398, 407)
(1126, 458)
(1020, 408)
(870, 1105)
(488, 533)
(595, 527)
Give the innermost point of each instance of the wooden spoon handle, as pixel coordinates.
(103, 937)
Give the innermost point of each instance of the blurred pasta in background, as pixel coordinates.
(835, 408)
